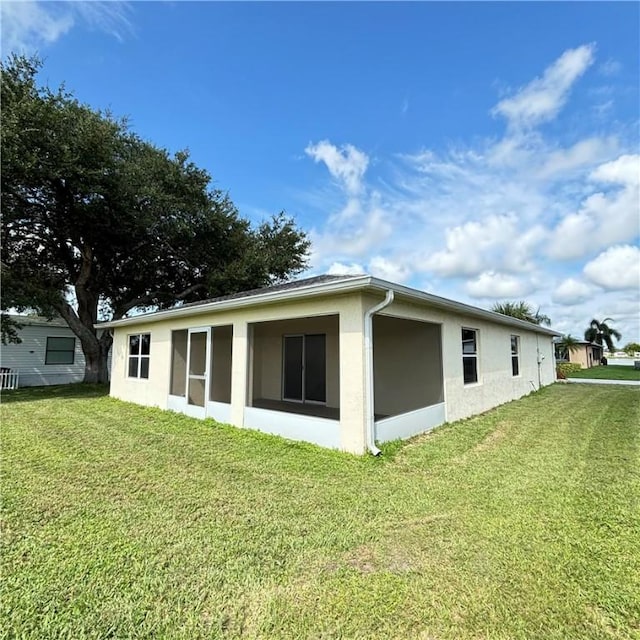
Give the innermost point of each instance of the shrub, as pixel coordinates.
(565, 369)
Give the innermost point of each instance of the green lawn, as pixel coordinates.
(610, 372)
(126, 522)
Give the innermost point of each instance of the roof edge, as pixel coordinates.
(359, 282)
(347, 284)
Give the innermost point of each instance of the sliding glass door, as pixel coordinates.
(304, 376)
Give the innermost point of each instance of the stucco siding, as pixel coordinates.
(434, 350)
(267, 363)
(348, 348)
(495, 385)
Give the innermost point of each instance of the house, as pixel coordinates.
(50, 353)
(586, 354)
(340, 361)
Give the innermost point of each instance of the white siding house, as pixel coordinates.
(50, 353)
(340, 361)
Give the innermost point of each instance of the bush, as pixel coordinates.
(565, 369)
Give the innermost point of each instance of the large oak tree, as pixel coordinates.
(97, 222)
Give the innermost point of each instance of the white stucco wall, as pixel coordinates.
(267, 362)
(495, 385)
(407, 365)
(154, 391)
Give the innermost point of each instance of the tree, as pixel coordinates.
(97, 222)
(521, 310)
(601, 333)
(565, 345)
(631, 347)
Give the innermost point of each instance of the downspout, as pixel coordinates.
(368, 372)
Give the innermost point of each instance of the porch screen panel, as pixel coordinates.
(178, 362)
(293, 349)
(196, 391)
(198, 354)
(315, 368)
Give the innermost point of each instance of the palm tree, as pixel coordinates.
(565, 345)
(601, 332)
(521, 310)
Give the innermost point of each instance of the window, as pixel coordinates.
(470, 355)
(139, 347)
(515, 355)
(60, 351)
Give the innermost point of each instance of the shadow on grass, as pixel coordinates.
(75, 391)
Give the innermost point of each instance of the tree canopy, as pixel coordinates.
(565, 345)
(97, 221)
(601, 333)
(631, 347)
(521, 310)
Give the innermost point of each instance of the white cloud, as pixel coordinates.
(494, 218)
(476, 246)
(625, 170)
(610, 68)
(616, 268)
(346, 164)
(542, 99)
(605, 217)
(340, 269)
(583, 153)
(572, 291)
(499, 285)
(29, 25)
(388, 269)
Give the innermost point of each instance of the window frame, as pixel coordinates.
(470, 356)
(515, 356)
(138, 357)
(49, 350)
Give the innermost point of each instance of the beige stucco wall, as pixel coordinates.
(495, 385)
(581, 356)
(349, 394)
(407, 365)
(267, 354)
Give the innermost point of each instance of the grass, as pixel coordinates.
(127, 522)
(610, 372)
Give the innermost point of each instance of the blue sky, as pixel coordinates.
(480, 151)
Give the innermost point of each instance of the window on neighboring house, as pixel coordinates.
(139, 348)
(60, 351)
(515, 355)
(470, 355)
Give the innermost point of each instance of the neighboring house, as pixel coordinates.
(50, 353)
(586, 354)
(339, 361)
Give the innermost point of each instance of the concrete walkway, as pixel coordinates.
(631, 383)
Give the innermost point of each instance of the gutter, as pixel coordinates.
(368, 372)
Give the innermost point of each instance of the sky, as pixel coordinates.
(479, 151)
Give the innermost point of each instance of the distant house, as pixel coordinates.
(50, 353)
(587, 354)
(340, 361)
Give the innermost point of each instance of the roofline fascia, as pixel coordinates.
(460, 307)
(339, 286)
(364, 282)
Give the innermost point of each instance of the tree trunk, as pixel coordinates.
(94, 348)
(96, 354)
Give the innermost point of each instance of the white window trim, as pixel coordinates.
(515, 355)
(138, 356)
(475, 355)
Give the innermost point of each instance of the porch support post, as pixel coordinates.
(239, 372)
(352, 378)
